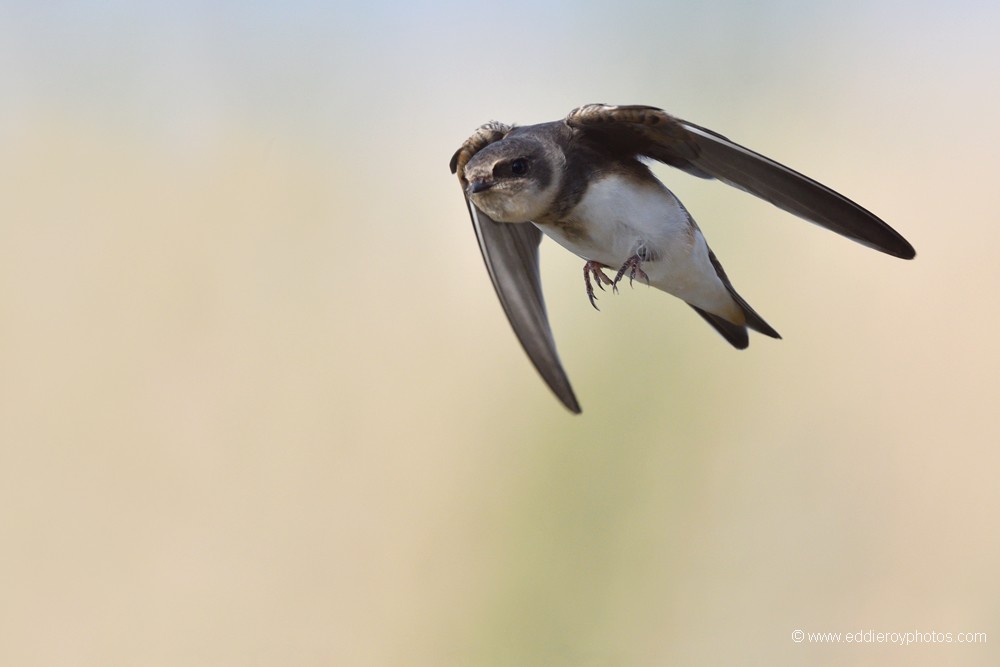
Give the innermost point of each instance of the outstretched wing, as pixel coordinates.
(648, 131)
(511, 255)
(510, 252)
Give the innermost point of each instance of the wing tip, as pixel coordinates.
(897, 246)
(906, 252)
(571, 403)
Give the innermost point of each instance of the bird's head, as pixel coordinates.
(515, 179)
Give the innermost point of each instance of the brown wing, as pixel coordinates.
(648, 131)
(510, 252)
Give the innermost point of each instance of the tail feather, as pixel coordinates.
(754, 321)
(736, 334)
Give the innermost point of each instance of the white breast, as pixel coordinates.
(617, 215)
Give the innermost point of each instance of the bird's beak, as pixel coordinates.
(479, 186)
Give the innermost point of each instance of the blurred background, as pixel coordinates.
(259, 404)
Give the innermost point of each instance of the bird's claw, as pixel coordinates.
(594, 269)
(633, 267)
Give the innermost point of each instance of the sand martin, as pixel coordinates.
(583, 182)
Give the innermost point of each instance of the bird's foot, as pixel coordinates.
(633, 268)
(595, 269)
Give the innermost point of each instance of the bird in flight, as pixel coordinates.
(583, 182)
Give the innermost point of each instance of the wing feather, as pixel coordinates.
(651, 132)
(511, 255)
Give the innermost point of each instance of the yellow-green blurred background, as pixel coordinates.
(259, 404)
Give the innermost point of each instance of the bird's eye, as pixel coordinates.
(519, 167)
